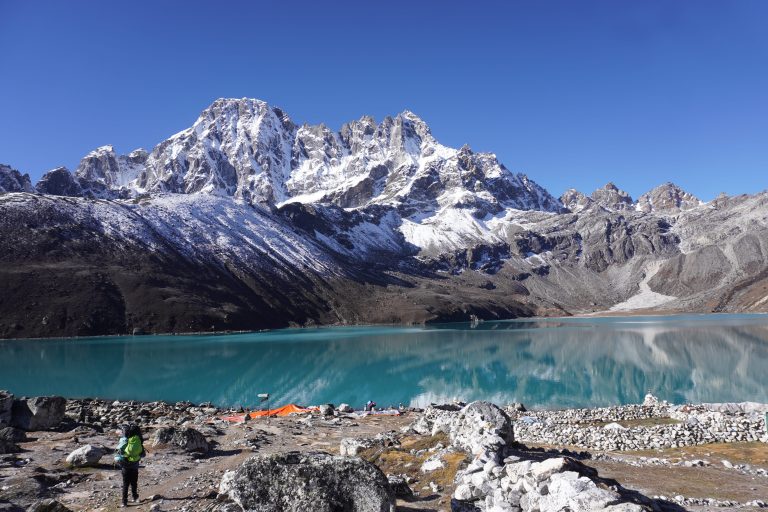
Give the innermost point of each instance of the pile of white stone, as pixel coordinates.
(495, 483)
(600, 428)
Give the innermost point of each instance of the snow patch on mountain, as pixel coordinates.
(645, 298)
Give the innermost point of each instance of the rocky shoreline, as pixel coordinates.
(55, 455)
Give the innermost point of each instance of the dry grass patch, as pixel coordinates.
(424, 442)
(754, 453)
(399, 459)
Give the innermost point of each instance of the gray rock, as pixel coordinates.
(294, 482)
(6, 404)
(399, 486)
(188, 439)
(59, 182)
(39, 413)
(345, 408)
(667, 198)
(85, 456)
(12, 434)
(350, 446)
(8, 447)
(326, 410)
(12, 180)
(481, 427)
(48, 505)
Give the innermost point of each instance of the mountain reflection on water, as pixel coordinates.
(544, 362)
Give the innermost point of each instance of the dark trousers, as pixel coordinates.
(130, 477)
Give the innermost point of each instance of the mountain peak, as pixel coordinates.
(245, 148)
(611, 198)
(12, 180)
(667, 197)
(575, 201)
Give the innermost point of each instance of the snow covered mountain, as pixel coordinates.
(447, 198)
(249, 150)
(246, 220)
(12, 180)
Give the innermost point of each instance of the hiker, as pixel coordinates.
(370, 405)
(130, 450)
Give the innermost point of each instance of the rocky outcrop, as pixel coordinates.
(351, 446)
(103, 174)
(12, 434)
(667, 198)
(48, 505)
(295, 482)
(39, 413)
(551, 485)
(6, 405)
(187, 439)
(612, 198)
(496, 481)
(478, 428)
(400, 487)
(59, 182)
(85, 456)
(575, 201)
(8, 447)
(12, 180)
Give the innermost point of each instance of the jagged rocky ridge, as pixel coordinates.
(246, 220)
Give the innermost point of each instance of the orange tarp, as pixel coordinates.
(280, 411)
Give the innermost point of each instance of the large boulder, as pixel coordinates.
(48, 505)
(477, 428)
(12, 434)
(399, 486)
(85, 456)
(8, 447)
(482, 427)
(188, 439)
(6, 405)
(39, 413)
(296, 482)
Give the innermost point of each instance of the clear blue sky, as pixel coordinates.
(573, 93)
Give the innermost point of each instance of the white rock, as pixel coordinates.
(546, 468)
(431, 464)
(85, 456)
(463, 492)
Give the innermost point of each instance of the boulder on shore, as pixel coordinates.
(6, 403)
(48, 505)
(12, 434)
(85, 456)
(188, 439)
(477, 428)
(38, 413)
(296, 482)
(8, 447)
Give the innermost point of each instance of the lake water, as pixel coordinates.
(540, 362)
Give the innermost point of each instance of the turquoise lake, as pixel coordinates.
(540, 362)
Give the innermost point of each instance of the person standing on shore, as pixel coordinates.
(130, 450)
